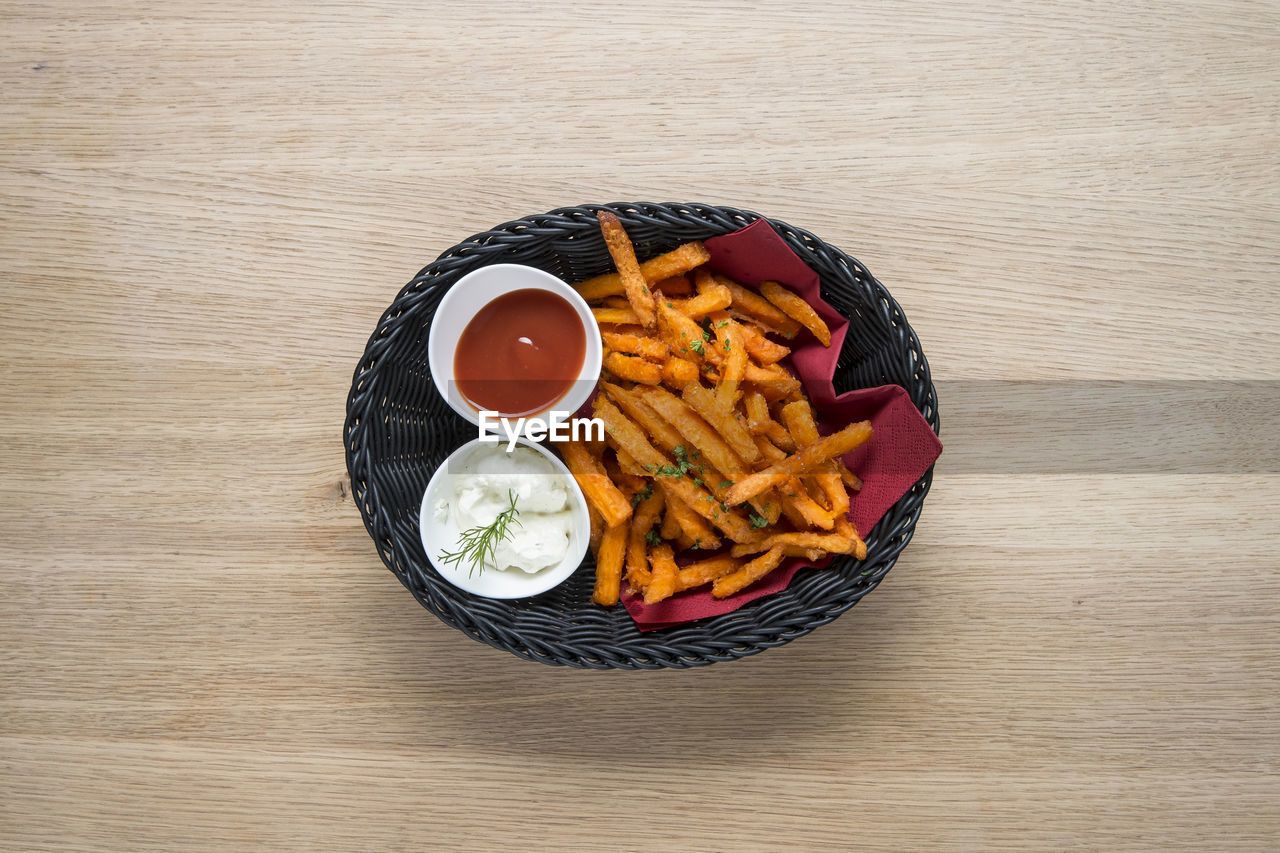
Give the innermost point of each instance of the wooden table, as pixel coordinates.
(207, 206)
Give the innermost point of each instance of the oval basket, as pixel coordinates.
(399, 429)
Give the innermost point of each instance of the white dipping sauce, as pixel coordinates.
(539, 536)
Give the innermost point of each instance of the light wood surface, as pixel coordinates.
(205, 207)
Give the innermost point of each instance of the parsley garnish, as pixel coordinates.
(653, 538)
(757, 521)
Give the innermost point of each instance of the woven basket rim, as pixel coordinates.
(771, 621)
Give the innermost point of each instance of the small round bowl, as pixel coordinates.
(477, 289)
(438, 535)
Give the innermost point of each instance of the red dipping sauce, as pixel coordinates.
(520, 353)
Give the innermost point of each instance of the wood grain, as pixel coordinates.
(205, 207)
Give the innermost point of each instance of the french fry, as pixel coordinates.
(760, 422)
(814, 514)
(623, 253)
(703, 401)
(763, 350)
(620, 316)
(674, 263)
(769, 451)
(795, 307)
(836, 444)
(798, 418)
(850, 479)
(774, 382)
(629, 466)
(613, 505)
(633, 368)
(682, 335)
(813, 555)
(627, 435)
(661, 431)
(676, 285)
(596, 527)
(832, 543)
(670, 524)
(642, 521)
(650, 348)
(845, 527)
(703, 280)
(756, 307)
(727, 585)
(705, 571)
(757, 407)
(609, 565)
(712, 299)
(690, 523)
(730, 341)
(629, 484)
(814, 489)
(679, 372)
(778, 434)
(662, 583)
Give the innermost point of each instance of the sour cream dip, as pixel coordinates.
(546, 538)
(539, 534)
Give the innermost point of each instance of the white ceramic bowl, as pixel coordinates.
(442, 534)
(477, 289)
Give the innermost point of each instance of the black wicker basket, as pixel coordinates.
(399, 429)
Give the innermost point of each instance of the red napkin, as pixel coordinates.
(902, 445)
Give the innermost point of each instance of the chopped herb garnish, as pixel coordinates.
(642, 496)
(724, 484)
(757, 521)
(696, 346)
(726, 344)
(653, 538)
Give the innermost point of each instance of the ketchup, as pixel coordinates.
(520, 353)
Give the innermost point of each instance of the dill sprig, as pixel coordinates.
(478, 544)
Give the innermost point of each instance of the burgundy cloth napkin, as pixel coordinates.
(902, 445)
